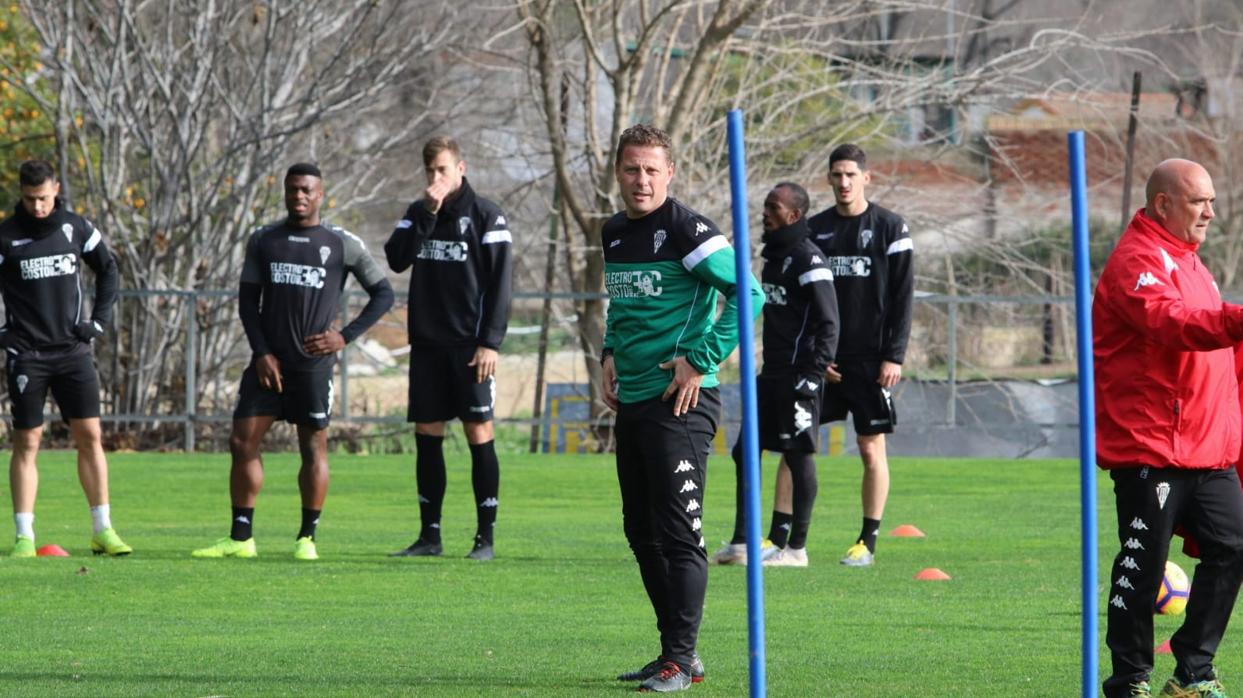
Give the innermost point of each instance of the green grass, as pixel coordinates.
(561, 610)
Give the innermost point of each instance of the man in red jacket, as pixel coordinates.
(1168, 430)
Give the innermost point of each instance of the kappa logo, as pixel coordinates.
(803, 382)
(815, 259)
(615, 243)
(1132, 544)
(299, 238)
(22, 380)
(67, 229)
(697, 523)
(684, 466)
(324, 253)
(865, 238)
(1129, 563)
(424, 500)
(802, 419)
(1124, 583)
(785, 264)
(688, 486)
(693, 505)
(463, 225)
(700, 227)
(490, 503)
(1117, 601)
(1146, 279)
(1138, 524)
(658, 239)
(242, 519)
(701, 541)
(500, 220)
(1163, 492)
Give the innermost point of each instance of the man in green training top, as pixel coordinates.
(664, 265)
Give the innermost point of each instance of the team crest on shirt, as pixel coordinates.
(785, 264)
(658, 239)
(463, 225)
(67, 229)
(865, 238)
(324, 253)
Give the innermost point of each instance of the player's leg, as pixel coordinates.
(676, 496)
(1215, 518)
(428, 407)
(257, 408)
(1148, 503)
(638, 525)
(312, 485)
(24, 483)
(874, 416)
(28, 383)
(783, 506)
(798, 437)
(75, 388)
(485, 471)
(734, 551)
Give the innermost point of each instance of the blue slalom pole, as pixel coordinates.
(1087, 404)
(750, 435)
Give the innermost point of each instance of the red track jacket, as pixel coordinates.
(1166, 391)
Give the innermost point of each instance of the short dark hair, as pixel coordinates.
(303, 168)
(798, 196)
(35, 172)
(849, 151)
(644, 135)
(439, 144)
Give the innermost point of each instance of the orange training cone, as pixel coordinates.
(52, 550)
(1164, 648)
(907, 531)
(931, 574)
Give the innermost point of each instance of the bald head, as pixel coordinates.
(1180, 197)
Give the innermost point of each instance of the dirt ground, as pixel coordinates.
(515, 385)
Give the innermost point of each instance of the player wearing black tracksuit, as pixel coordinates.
(461, 266)
(800, 337)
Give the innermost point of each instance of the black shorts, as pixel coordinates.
(306, 399)
(71, 375)
(443, 386)
(788, 408)
(861, 396)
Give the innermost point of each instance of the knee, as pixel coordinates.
(26, 441)
(241, 447)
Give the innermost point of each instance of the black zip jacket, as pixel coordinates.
(461, 264)
(800, 305)
(872, 259)
(41, 280)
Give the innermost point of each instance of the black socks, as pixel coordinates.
(429, 474)
(243, 523)
(485, 476)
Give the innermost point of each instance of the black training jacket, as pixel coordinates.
(871, 257)
(461, 264)
(41, 280)
(800, 304)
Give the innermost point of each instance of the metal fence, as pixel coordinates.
(1033, 328)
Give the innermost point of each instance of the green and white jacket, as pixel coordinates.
(663, 272)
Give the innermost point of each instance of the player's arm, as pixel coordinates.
(359, 262)
(496, 246)
(608, 378)
(1142, 291)
(249, 300)
(403, 245)
(823, 321)
(107, 283)
(713, 262)
(900, 301)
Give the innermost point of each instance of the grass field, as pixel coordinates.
(561, 610)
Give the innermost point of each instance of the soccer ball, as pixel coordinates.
(1174, 591)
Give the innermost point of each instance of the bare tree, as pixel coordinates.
(175, 122)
